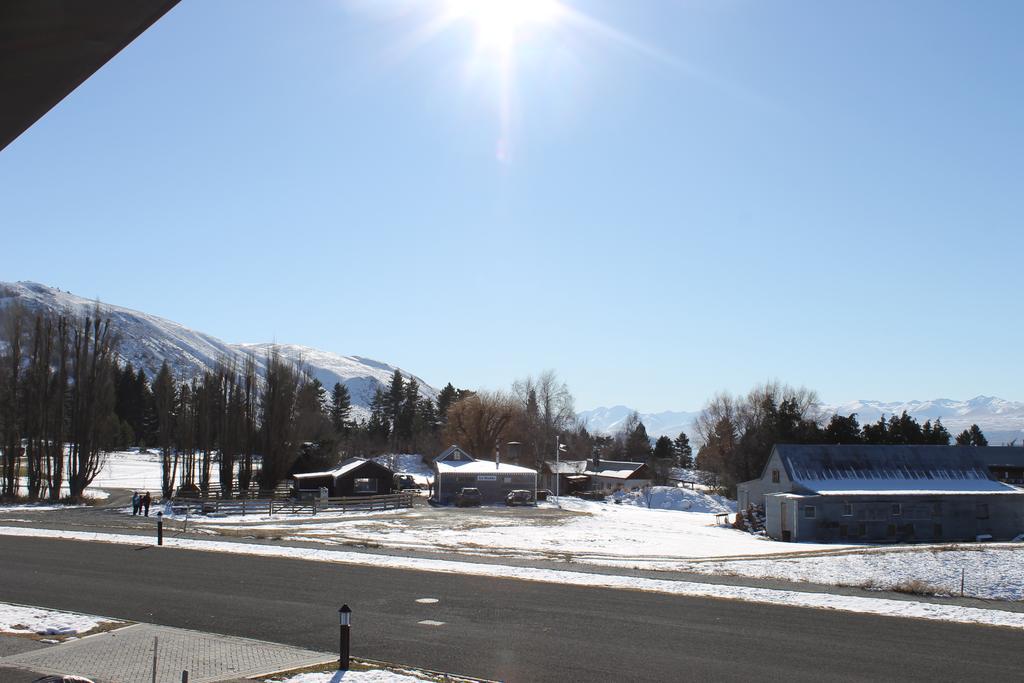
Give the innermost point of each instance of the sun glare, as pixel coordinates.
(500, 23)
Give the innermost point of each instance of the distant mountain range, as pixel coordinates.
(1001, 420)
(147, 341)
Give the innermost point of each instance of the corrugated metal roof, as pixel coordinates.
(861, 468)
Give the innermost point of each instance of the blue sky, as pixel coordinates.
(697, 197)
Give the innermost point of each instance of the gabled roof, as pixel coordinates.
(860, 468)
(344, 468)
(615, 469)
(454, 453)
(480, 467)
(566, 466)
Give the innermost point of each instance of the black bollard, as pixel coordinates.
(159, 528)
(345, 624)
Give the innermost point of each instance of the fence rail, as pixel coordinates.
(272, 506)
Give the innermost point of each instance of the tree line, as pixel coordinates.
(57, 414)
(736, 434)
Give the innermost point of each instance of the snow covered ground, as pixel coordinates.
(991, 571)
(863, 605)
(134, 470)
(582, 531)
(23, 620)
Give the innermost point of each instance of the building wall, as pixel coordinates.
(918, 518)
(598, 483)
(753, 492)
(493, 487)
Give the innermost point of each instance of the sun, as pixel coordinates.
(499, 24)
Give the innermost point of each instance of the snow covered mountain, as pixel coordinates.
(611, 420)
(1002, 421)
(147, 341)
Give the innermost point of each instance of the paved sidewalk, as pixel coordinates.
(126, 656)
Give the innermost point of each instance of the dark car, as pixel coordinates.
(405, 482)
(519, 497)
(544, 494)
(467, 497)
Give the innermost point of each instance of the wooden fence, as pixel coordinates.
(273, 506)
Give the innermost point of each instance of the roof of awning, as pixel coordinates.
(50, 47)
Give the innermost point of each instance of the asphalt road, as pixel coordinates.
(496, 628)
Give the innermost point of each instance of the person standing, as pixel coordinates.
(146, 500)
(136, 502)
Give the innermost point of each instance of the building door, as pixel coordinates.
(784, 519)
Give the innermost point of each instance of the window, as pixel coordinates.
(775, 476)
(364, 485)
(508, 480)
(847, 509)
(810, 512)
(897, 509)
(982, 510)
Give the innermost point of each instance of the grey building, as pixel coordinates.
(617, 475)
(864, 493)
(456, 469)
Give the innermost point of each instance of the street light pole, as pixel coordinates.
(558, 469)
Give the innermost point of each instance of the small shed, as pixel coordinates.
(455, 469)
(353, 477)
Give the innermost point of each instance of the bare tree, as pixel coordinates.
(478, 422)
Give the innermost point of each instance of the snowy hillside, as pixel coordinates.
(1001, 420)
(148, 340)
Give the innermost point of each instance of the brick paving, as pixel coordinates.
(126, 656)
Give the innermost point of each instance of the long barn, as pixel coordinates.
(869, 493)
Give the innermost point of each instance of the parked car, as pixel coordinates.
(519, 497)
(542, 494)
(467, 497)
(405, 482)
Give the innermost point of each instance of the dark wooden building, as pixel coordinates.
(353, 477)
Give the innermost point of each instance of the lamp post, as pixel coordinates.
(559, 447)
(159, 528)
(345, 627)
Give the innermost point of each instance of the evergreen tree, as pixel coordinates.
(394, 398)
(940, 435)
(321, 395)
(843, 429)
(663, 449)
(977, 438)
(378, 428)
(971, 437)
(341, 408)
(683, 451)
(638, 444)
(445, 398)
